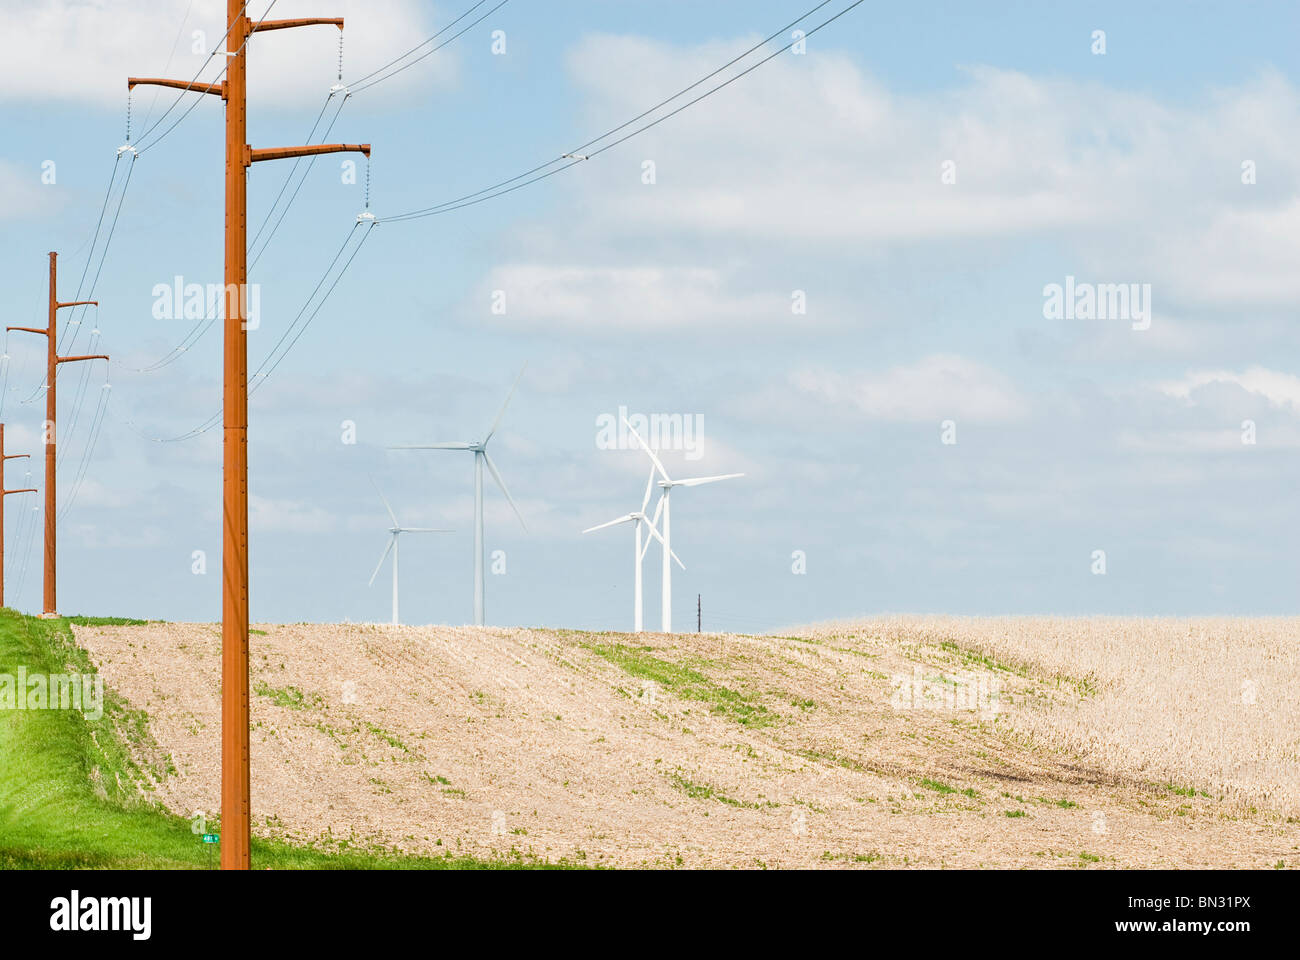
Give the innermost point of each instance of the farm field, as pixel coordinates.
(899, 742)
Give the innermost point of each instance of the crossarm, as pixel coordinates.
(78, 303)
(44, 333)
(23, 490)
(219, 89)
(92, 356)
(301, 22)
(282, 153)
(16, 456)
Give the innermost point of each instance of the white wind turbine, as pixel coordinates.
(666, 485)
(396, 530)
(481, 457)
(638, 518)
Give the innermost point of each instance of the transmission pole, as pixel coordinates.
(5, 458)
(52, 361)
(234, 545)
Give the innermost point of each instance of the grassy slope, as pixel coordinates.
(70, 792)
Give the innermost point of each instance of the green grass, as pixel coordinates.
(939, 787)
(684, 682)
(290, 697)
(109, 621)
(73, 796)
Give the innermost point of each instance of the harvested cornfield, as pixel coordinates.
(1204, 702)
(902, 742)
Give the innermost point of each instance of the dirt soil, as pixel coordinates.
(693, 750)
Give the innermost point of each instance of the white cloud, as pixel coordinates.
(811, 150)
(935, 388)
(291, 516)
(621, 298)
(1282, 390)
(83, 50)
(22, 195)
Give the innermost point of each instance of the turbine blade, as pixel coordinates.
(601, 526)
(391, 540)
(497, 422)
(450, 445)
(425, 530)
(387, 505)
(496, 475)
(646, 447)
(696, 481)
(655, 533)
(649, 485)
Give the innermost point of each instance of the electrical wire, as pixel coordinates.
(284, 186)
(103, 255)
(365, 82)
(180, 96)
(170, 57)
(65, 436)
(261, 373)
(28, 524)
(260, 377)
(103, 209)
(492, 192)
(220, 73)
(294, 196)
(96, 427)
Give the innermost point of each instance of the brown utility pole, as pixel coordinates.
(5, 458)
(234, 544)
(53, 360)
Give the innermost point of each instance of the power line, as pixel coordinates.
(215, 49)
(292, 170)
(65, 436)
(358, 85)
(260, 375)
(220, 74)
(492, 192)
(170, 57)
(95, 236)
(294, 196)
(96, 427)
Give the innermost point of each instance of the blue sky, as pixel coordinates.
(819, 173)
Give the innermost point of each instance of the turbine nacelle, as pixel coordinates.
(481, 459)
(666, 484)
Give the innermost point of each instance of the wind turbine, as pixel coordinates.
(638, 518)
(666, 485)
(396, 530)
(481, 457)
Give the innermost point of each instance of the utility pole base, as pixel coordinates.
(50, 616)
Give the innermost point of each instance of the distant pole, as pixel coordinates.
(4, 457)
(698, 618)
(52, 361)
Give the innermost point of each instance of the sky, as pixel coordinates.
(837, 270)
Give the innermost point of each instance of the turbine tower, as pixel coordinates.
(481, 458)
(396, 530)
(666, 486)
(638, 518)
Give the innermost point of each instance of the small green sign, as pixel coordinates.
(211, 837)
